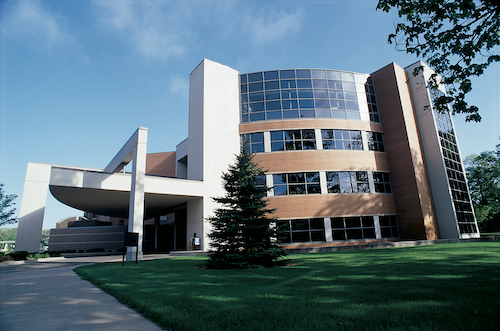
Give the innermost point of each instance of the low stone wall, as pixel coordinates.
(107, 238)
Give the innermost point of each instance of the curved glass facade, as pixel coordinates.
(307, 93)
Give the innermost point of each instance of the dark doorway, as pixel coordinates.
(166, 233)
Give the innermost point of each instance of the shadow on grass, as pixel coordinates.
(444, 287)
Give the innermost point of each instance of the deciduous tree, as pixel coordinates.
(483, 173)
(460, 39)
(7, 201)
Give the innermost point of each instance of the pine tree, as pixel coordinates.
(244, 235)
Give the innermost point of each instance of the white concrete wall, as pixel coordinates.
(213, 134)
(32, 210)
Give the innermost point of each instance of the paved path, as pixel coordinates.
(50, 296)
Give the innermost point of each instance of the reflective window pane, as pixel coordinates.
(277, 146)
(347, 76)
(259, 96)
(313, 189)
(348, 86)
(272, 85)
(290, 104)
(304, 83)
(296, 177)
(338, 105)
(318, 73)
(321, 113)
(306, 103)
(273, 105)
(285, 74)
(331, 74)
(307, 113)
(297, 189)
(288, 94)
(303, 73)
(350, 96)
(268, 75)
(257, 117)
(272, 95)
(256, 107)
(255, 77)
(320, 83)
(317, 223)
(254, 87)
(290, 113)
(352, 105)
(321, 93)
(279, 179)
(274, 115)
(335, 84)
(305, 94)
(322, 103)
(312, 177)
(286, 84)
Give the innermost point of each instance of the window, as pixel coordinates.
(255, 142)
(454, 169)
(292, 140)
(342, 139)
(388, 226)
(347, 228)
(260, 181)
(382, 182)
(372, 101)
(299, 93)
(296, 183)
(347, 182)
(306, 230)
(375, 141)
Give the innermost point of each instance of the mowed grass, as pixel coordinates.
(440, 287)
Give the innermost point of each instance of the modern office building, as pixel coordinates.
(349, 157)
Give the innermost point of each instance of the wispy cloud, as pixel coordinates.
(274, 26)
(28, 21)
(151, 27)
(179, 85)
(166, 29)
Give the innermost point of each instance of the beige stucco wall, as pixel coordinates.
(323, 160)
(326, 205)
(309, 124)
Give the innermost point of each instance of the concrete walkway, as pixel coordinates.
(48, 295)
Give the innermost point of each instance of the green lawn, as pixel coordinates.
(440, 287)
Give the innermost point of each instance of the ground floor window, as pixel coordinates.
(347, 228)
(305, 230)
(341, 228)
(388, 226)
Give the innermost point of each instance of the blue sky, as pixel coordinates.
(79, 77)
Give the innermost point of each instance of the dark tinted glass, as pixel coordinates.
(254, 77)
(270, 75)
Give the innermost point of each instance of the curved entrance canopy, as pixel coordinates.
(111, 192)
(165, 194)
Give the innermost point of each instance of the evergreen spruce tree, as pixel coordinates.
(244, 232)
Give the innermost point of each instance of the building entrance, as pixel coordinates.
(166, 233)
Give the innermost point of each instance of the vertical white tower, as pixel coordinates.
(213, 139)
